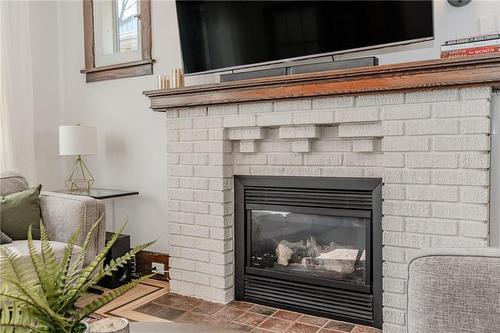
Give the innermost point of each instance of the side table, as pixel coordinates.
(124, 274)
(104, 194)
(122, 244)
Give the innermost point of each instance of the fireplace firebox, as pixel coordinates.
(310, 244)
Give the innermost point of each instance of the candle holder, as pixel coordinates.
(174, 80)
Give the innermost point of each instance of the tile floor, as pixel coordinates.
(244, 316)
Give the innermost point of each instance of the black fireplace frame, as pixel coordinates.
(367, 295)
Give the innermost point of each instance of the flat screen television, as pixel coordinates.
(219, 35)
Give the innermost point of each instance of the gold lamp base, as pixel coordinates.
(79, 179)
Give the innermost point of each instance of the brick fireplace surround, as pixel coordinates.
(431, 147)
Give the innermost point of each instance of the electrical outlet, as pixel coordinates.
(145, 259)
(157, 267)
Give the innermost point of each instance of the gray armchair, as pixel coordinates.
(454, 291)
(61, 215)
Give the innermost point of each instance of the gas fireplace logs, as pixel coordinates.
(310, 255)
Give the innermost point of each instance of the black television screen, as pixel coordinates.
(223, 34)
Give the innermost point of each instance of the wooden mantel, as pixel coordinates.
(429, 74)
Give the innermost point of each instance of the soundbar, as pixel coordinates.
(289, 69)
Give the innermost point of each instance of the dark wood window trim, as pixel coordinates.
(122, 70)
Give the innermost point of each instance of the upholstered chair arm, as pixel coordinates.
(63, 213)
(454, 290)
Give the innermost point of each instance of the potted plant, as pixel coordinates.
(40, 296)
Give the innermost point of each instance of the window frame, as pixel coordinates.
(141, 67)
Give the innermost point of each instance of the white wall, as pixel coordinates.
(131, 138)
(449, 22)
(47, 93)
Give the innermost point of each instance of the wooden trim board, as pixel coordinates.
(429, 74)
(124, 305)
(121, 70)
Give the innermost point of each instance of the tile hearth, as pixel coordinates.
(243, 316)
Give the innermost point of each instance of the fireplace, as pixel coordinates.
(310, 244)
(423, 128)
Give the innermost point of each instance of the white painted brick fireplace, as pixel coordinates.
(431, 148)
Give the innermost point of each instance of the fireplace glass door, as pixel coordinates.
(310, 244)
(315, 246)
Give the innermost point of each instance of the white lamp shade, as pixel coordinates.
(77, 140)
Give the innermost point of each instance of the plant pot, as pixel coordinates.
(83, 328)
(110, 325)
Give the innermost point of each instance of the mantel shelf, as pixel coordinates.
(429, 74)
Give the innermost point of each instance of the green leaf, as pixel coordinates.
(5, 295)
(106, 298)
(23, 284)
(17, 318)
(85, 275)
(85, 246)
(43, 272)
(45, 291)
(48, 280)
(66, 260)
(13, 266)
(115, 264)
(37, 302)
(48, 254)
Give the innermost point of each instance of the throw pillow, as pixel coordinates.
(4, 239)
(20, 210)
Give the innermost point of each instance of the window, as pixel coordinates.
(117, 39)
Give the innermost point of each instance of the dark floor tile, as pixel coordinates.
(263, 310)
(339, 326)
(328, 330)
(241, 305)
(252, 319)
(276, 325)
(170, 299)
(260, 330)
(150, 308)
(187, 303)
(316, 321)
(217, 322)
(192, 318)
(302, 328)
(207, 308)
(287, 315)
(227, 313)
(365, 329)
(239, 326)
(169, 313)
(185, 309)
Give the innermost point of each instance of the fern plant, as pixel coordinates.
(40, 296)
(17, 318)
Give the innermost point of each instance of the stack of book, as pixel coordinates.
(470, 46)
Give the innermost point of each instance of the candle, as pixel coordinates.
(174, 81)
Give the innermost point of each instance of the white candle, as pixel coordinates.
(174, 81)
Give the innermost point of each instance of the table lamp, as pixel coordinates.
(78, 140)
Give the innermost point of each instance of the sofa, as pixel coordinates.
(454, 291)
(61, 214)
